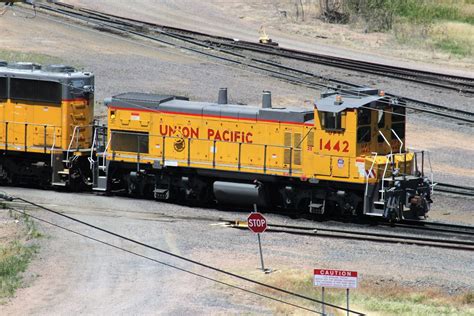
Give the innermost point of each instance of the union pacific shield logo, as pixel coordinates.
(179, 144)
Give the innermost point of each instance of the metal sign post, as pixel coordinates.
(258, 224)
(347, 297)
(261, 254)
(259, 241)
(322, 300)
(343, 279)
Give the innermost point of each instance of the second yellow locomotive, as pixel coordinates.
(46, 116)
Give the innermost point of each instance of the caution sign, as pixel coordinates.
(335, 278)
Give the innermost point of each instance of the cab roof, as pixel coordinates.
(337, 101)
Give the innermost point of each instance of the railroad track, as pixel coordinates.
(452, 82)
(194, 42)
(457, 83)
(455, 235)
(446, 243)
(454, 189)
(434, 227)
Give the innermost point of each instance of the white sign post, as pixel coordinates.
(342, 279)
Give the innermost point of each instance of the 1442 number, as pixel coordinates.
(336, 146)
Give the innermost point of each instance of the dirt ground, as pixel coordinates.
(75, 275)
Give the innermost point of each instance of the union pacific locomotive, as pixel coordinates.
(346, 156)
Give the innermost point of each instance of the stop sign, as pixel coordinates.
(257, 223)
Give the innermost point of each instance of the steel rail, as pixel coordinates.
(437, 224)
(367, 236)
(430, 229)
(454, 189)
(460, 229)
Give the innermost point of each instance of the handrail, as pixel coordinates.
(367, 178)
(70, 143)
(389, 159)
(104, 154)
(52, 148)
(91, 159)
(399, 139)
(431, 172)
(386, 142)
(29, 123)
(386, 164)
(205, 139)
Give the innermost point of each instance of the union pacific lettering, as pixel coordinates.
(230, 136)
(212, 134)
(182, 131)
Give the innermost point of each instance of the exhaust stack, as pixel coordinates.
(267, 100)
(222, 98)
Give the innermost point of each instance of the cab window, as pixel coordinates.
(364, 117)
(332, 121)
(135, 142)
(364, 121)
(363, 134)
(398, 114)
(398, 121)
(3, 88)
(35, 91)
(399, 129)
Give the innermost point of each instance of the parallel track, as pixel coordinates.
(455, 235)
(454, 189)
(451, 243)
(192, 41)
(447, 81)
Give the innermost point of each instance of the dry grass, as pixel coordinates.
(16, 56)
(454, 37)
(373, 297)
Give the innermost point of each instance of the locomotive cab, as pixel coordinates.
(371, 129)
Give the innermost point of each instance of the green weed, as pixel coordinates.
(14, 259)
(454, 47)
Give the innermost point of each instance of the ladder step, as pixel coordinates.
(58, 184)
(374, 214)
(65, 172)
(99, 189)
(161, 194)
(316, 208)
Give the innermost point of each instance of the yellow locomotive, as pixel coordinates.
(347, 155)
(46, 116)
